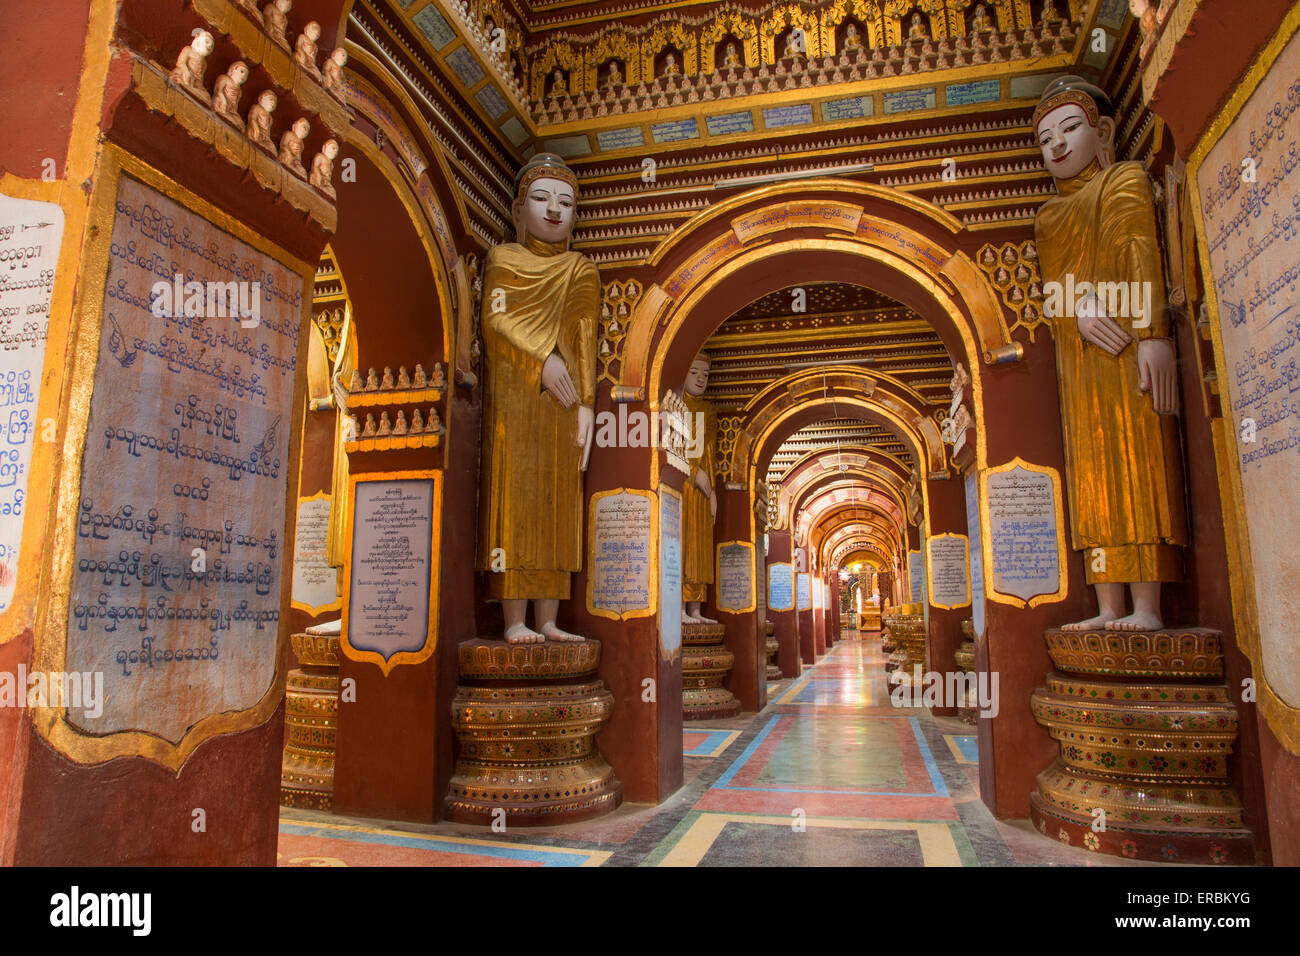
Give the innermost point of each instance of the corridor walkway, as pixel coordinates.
(828, 774)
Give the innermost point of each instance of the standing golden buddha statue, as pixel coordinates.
(1104, 285)
(540, 306)
(699, 499)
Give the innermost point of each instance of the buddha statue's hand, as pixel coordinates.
(1099, 328)
(713, 505)
(586, 432)
(556, 380)
(1158, 374)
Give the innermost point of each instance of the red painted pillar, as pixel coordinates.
(783, 617)
(748, 677)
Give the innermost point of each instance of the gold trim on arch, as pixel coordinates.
(1282, 718)
(51, 620)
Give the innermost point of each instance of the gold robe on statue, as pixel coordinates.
(697, 522)
(1122, 460)
(532, 496)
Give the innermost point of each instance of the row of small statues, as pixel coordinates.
(981, 22)
(227, 91)
(274, 18)
(373, 383)
(386, 427)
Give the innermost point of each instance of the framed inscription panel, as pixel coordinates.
(780, 586)
(915, 577)
(670, 571)
(390, 612)
(803, 591)
(1247, 227)
(621, 554)
(185, 412)
(949, 571)
(976, 552)
(1023, 534)
(735, 577)
(315, 583)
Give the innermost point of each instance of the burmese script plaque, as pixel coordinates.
(803, 591)
(735, 576)
(179, 553)
(1249, 195)
(915, 577)
(670, 570)
(949, 577)
(390, 566)
(1025, 531)
(315, 583)
(30, 234)
(618, 580)
(780, 586)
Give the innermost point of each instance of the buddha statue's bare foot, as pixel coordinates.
(554, 633)
(705, 620)
(1137, 621)
(1101, 621)
(327, 629)
(687, 619)
(522, 634)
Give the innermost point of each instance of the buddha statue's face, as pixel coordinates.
(697, 379)
(546, 211)
(1138, 7)
(1070, 143)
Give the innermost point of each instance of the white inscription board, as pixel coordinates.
(1251, 225)
(315, 583)
(1024, 533)
(177, 577)
(949, 580)
(30, 234)
(390, 569)
(619, 576)
(735, 576)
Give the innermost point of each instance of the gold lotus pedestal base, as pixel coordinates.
(1145, 728)
(705, 665)
(903, 639)
(773, 648)
(526, 717)
(311, 711)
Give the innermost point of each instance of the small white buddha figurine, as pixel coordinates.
(388, 383)
(291, 145)
(403, 378)
(357, 384)
(322, 167)
(432, 423)
(385, 425)
(259, 120)
(228, 89)
(614, 77)
(980, 22)
(731, 58)
(438, 381)
(275, 17)
(670, 66)
(332, 71)
(372, 381)
(1144, 11)
(420, 381)
(371, 429)
(851, 39)
(918, 29)
(191, 62)
(558, 86)
(417, 423)
(304, 48)
(400, 427)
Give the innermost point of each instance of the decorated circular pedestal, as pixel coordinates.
(705, 665)
(526, 717)
(311, 709)
(773, 648)
(905, 634)
(1144, 734)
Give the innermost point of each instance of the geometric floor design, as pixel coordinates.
(829, 773)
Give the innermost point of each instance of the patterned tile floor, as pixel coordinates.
(828, 774)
